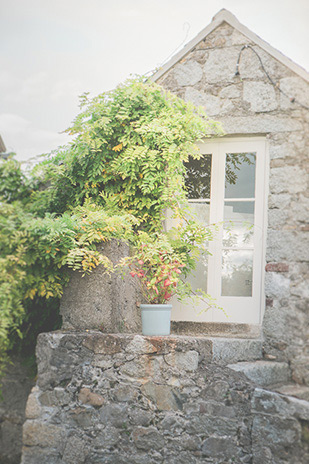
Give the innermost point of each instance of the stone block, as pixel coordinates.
(188, 73)
(186, 361)
(103, 344)
(290, 179)
(164, 397)
(273, 403)
(219, 448)
(279, 219)
(212, 105)
(277, 267)
(220, 65)
(264, 373)
(281, 200)
(234, 350)
(33, 406)
(259, 123)
(261, 96)
(37, 433)
(231, 91)
(113, 415)
(107, 438)
(86, 396)
(286, 245)
(76, 451)
(277, 285)
(147, 438)
(275, 431)
(38, 455)
(295, 87)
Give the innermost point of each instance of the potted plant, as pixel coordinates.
(161, 262)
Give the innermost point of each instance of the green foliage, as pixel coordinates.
(124, 168)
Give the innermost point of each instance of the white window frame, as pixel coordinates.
(247, 310)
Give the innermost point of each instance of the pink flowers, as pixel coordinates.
(158, 271)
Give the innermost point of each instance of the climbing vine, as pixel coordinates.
(123, 169)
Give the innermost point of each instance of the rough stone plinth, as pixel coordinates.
(102, 301)
(125, 398)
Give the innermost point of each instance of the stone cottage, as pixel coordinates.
(262, 99)
(219, 389)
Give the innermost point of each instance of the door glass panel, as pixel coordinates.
(198, 177)
(200, 211)
(237, 270)
(240, 175)
(238, 223)
(198, 277)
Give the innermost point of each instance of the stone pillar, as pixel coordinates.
(102, 302)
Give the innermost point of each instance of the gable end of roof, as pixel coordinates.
(226, 16)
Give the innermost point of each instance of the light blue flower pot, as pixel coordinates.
(156, 319)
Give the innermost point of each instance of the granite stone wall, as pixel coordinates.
(248, 104)
(15, 387)
(124, 399)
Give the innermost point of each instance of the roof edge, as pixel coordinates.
(226, 16)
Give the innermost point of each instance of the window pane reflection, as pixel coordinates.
(240, 175)
(198, 277)
(198, 177)
(237, 270)
(238, 222)
(200, 211)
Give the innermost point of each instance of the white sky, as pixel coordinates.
(53, 50)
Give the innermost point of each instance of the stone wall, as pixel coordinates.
(15, 386)
(124, 399)
(249, 104)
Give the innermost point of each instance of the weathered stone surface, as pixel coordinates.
(100, 344)
(187, 361)
(235, 350)
(261, 97)
(186, 406)
(36, 433)
(147, 438)
(164, 397)
(76, 450)
(212, 105)
(220, 66)
(277, 285)
(264, 372)
(214, 447)
(15, 385)
(188, 73)
(99, 301)
(33, 406)
(276, 267)
(294, 87)
(86, 396)
(291, 179)
(258, 124)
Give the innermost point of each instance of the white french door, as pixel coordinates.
(227, 188)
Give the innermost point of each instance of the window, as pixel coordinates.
(226, 187)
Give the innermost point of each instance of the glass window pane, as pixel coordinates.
(237, 270)
(240, 175)
(238, 223)
(198, 177)
(198, 278)
(200, 211)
